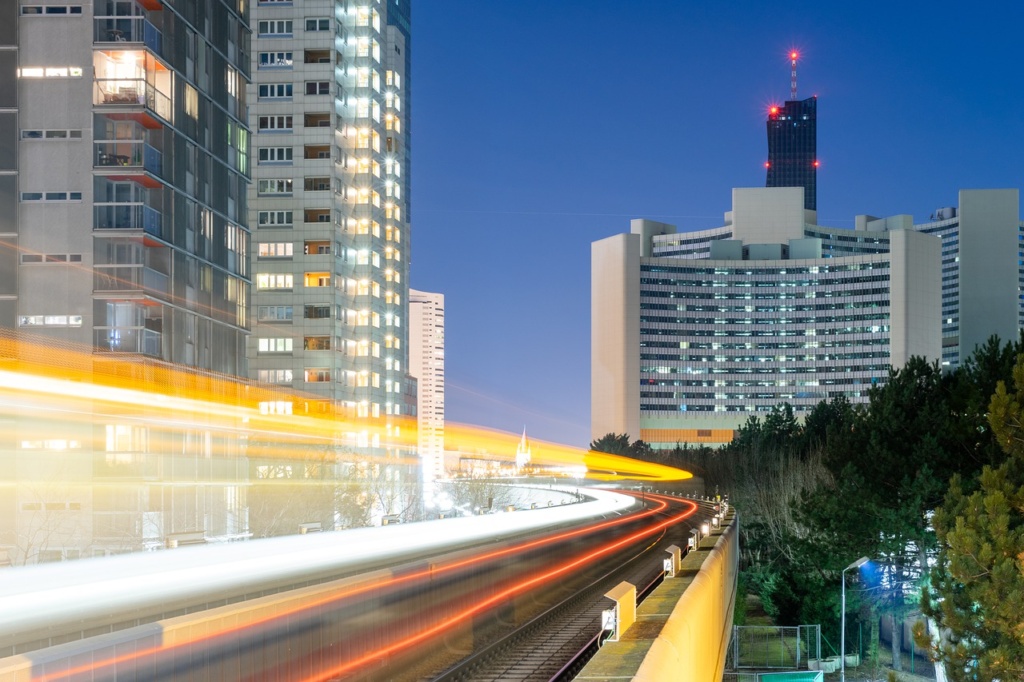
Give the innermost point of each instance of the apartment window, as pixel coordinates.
(276, 186)
(52, 134)
(316, 184)
(317, 374)
(316, 343)
(275, 376)
(50, 72)
(275, 123)
(274, 281)
(270, 29)
(275, 407)
(275, 60)
(51, 258)
(275, 250)
(275, 345)
(274, 218)
(50, 196)
(50, 321)
(318, 279)
(51, 10)
(317, 312)
(274, 313)
(275, 90)
(318, 88)
(318, 24)
(275, 154)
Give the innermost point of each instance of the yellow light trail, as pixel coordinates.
(49, 391)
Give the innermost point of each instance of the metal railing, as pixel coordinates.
(129, 154)
(128, 216)
(121, 30)
(131, 278)
(131, 91)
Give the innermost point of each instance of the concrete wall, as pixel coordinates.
(915, 297)
(989, 222)
(693, 643)
(615, 335)
(768, 215)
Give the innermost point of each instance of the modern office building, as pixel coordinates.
(329, 108)
(426, 363)
(693, 332)
(123, 177)
(793, 148)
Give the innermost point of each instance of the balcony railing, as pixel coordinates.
(128, 216)
(128, 154)
(132, 30)
(129, 340)
(131, 92)
(131, 278)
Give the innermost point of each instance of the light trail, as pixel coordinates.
(498, 597)
(348, 593)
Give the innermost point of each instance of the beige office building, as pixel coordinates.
(693, 332)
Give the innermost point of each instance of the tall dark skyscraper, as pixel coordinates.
(793, 148)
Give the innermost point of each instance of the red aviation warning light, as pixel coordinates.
(767, 164)
(773, 110)
(792, 86)
(817, 163)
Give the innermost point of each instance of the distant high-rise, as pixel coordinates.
(793, 148)
(426, 363)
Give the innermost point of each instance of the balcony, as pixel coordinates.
(123, 278)
(128, 216)
(129, 340)
(131, 93)
(128, 31)
(122, 154)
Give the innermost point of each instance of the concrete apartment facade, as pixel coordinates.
(426, 363)
(693, 332)
(329, 109)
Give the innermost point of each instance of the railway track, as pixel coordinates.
(555, 645)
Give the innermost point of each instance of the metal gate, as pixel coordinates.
(769, 647)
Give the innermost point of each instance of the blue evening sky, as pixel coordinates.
(540, 126)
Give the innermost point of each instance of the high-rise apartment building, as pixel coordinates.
(124, 164)
(129, 135)
(329, 107)
(693, 332)
(426, 363)
(793, 148)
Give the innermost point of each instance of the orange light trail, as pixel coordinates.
(357, 590)
(498, 597)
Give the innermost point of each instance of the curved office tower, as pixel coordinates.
(692, 332)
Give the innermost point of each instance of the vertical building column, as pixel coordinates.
(615, 335)
(8, 163)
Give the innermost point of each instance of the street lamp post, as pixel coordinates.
(842, 634)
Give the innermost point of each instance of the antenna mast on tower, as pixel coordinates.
(792, 86)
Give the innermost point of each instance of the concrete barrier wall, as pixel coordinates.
(693, 643)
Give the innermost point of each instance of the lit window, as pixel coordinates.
(274, 281)
(275, 249)
(275, 345)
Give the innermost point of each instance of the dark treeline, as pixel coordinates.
(926, 479)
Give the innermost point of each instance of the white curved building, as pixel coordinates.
(694, 332)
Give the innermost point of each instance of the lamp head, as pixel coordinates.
(857, 564)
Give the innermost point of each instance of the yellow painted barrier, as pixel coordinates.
(692, 644)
